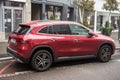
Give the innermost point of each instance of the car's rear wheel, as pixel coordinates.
(104, 53)
(42, 60)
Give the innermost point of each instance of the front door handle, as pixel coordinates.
(76, 40)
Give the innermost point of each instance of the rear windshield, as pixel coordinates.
(22, 29)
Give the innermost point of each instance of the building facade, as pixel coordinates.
(100, 16)
(13, 12)
(97, 19)
(53, 9)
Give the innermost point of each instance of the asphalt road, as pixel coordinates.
(80, 69)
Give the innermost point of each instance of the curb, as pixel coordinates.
(117, 48)
(6, 58)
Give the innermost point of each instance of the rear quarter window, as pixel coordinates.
(47, 30)
(21, 30)
(44, 30)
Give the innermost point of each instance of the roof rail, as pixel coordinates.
(45, 20)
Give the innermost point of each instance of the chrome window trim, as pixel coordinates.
(62, 34)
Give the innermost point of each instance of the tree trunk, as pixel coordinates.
(109, 19)
(80, 15)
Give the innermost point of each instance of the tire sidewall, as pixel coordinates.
(33, 63)
(99, 56)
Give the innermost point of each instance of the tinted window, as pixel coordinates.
(21, 30)
(61, 29)
(44, 30)
(78, 30)
(50, 30)
(47, 30)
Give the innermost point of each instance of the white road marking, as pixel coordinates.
(15, 74)
(118, 60)
(6, 61)
(6, 58)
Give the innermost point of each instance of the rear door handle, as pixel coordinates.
(53, 39)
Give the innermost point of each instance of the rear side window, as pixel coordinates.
(56, 29)
(61, 29)
(22, 29)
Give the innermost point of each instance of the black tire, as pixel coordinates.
(42, 60)
(104, 53)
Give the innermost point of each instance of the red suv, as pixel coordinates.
(40, 43)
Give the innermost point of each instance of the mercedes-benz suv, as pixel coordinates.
(40, 43)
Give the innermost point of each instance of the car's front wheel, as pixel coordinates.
(104, 53)
(42, 60)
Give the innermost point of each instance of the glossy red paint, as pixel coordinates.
(61, 45)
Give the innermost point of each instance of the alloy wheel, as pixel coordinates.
(42, 60)
(105, 53)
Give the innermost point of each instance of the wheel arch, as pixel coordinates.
(106, 43)
(43, 47)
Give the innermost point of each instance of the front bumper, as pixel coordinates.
(14, 54)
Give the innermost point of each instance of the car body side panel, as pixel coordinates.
(62, 45)
(87, 45)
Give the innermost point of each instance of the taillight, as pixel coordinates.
(21, 41)
(22, 44)
(9, 39)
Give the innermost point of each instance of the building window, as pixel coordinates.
(53, 12)
(68, 14)
(114, 22)
(13, 4)
(12, 16)
(36, 11)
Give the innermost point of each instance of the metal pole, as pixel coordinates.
(95, 22)
(43, 11)
(119, 29)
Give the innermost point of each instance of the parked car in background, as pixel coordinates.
(40, 43)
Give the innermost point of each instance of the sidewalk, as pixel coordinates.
(3, 45)
(114, 36)
(3, 52)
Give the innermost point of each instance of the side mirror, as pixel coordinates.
(90, 34)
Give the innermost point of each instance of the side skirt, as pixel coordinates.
(67, 58)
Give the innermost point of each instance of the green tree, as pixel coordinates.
(110, 5)
(84, 6)
(107, 30)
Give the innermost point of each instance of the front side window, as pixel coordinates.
(61, 29)
(78, 30)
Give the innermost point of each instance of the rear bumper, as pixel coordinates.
(14, 54)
